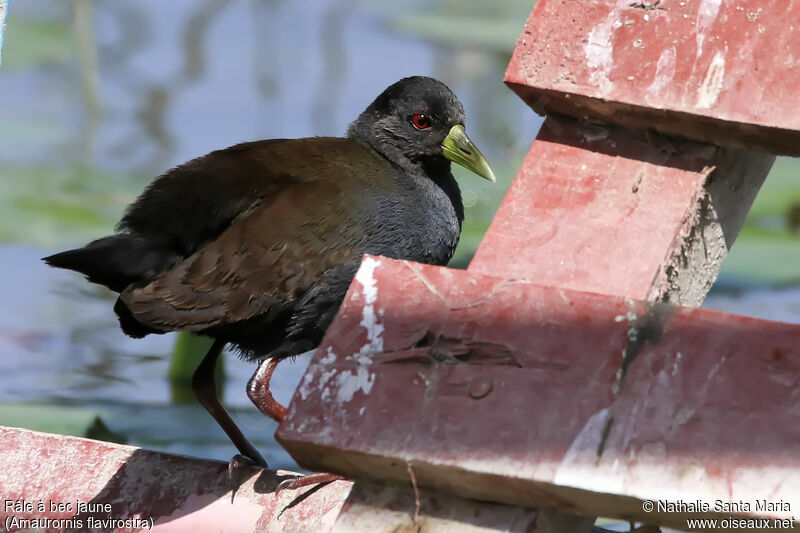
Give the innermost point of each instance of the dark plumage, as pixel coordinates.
(256, 244)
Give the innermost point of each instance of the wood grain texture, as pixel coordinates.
(711, 71)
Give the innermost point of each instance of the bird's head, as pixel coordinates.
(419, 121)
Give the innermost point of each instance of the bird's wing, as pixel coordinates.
(194, 203)
(264, 263)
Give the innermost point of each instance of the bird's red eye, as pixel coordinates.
(421, 122)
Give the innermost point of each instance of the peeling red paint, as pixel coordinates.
(614, 241)
(683, 68)
(702, 407)
(167, 493)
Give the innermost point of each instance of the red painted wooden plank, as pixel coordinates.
(601, 209)
(544, 396)
(375, 507)
(147, 489)
(721, 72)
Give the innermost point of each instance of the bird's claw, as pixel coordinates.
(239, 469)
(240, 461)
(309, 479)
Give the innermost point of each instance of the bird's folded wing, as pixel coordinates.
(261, 264)
(194, 203)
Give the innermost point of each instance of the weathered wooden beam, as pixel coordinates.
(503, 390)
(390, 507)
(712, 71)
(48, 477)
(507, 391)
(602, 209)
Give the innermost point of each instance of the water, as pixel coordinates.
(60, 346)
(87, 118)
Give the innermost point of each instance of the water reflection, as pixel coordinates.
(61, 347)
(134, 87)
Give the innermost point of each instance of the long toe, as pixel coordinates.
(310, 479)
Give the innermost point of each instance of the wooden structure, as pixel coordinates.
(59, 483)
(553, 373)
(556, 379)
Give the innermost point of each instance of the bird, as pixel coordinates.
(255, 245)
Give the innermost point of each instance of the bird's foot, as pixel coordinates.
(239, 469)
(309, 479)
(245, 461)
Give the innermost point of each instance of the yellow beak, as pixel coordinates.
(458, 148)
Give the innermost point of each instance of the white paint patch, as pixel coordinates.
(638, 471)
(369, 319)
(579, 466)
(349, 383)
(329, 358)
(706, 15)
(599, 49)
(665, 71)
(323, 381)
(708, 93)
(305, 386)
(676, 363)
(305, 389)
(343, 384)
(326, 377)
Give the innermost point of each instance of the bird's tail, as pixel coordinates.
(116, 262)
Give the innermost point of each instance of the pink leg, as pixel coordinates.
(259, 393)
